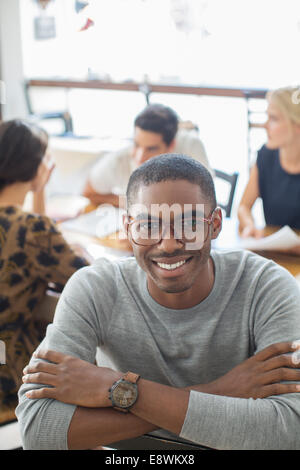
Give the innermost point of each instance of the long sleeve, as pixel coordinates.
(227, 423)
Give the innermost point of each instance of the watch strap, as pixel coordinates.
(131, 377)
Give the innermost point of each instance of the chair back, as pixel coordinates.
(232, 180)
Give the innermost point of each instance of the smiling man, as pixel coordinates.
(194, 343)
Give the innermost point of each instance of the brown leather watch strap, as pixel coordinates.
(131, 377)
(124, 410)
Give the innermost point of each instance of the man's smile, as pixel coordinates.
(172, 265)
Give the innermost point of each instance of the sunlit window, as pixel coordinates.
(250, 43)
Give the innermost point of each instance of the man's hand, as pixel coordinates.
(261, 375)
(72, 380)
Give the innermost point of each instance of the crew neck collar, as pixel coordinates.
(205, 303)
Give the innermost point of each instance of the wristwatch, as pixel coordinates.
(124, 392)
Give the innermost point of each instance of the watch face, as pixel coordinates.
(124, 394)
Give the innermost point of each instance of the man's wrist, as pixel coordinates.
(204, 388)
(162, 405)
(104, 386)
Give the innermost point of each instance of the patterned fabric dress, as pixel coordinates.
(33, 253)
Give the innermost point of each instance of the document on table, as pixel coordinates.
(100, 223)
(283, 239)
(64, 207)
(98, 251)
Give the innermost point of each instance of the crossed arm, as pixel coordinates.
(247, 226)
(270, 372)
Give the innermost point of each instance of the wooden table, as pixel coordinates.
(110, 245)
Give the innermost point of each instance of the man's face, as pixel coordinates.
(174, 266)
(148, 144)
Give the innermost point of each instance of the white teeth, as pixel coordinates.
(171, 266)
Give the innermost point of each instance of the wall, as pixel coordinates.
(11, 64)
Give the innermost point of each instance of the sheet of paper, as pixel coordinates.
(65, 206)
(282, 239)
(98, 251)
(98, 223)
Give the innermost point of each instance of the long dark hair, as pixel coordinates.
(22, 148)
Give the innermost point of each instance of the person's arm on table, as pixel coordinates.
(258, 377)
(166, 407)
(97, 199)
(64, 374)
(72, 427)
(246, 221)
(75, 427)
(44, 424)
(91, 427)
(262, 423)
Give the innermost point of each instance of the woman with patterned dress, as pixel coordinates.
(33, 252)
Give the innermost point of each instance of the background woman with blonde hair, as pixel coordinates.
(275, 177)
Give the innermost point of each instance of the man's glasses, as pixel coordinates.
(149, 230)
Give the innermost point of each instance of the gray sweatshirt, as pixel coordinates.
(107, 308)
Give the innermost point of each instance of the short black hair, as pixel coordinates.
(171, 166)
(160, 119)
(22, 148)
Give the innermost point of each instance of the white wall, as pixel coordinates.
(11, 64)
